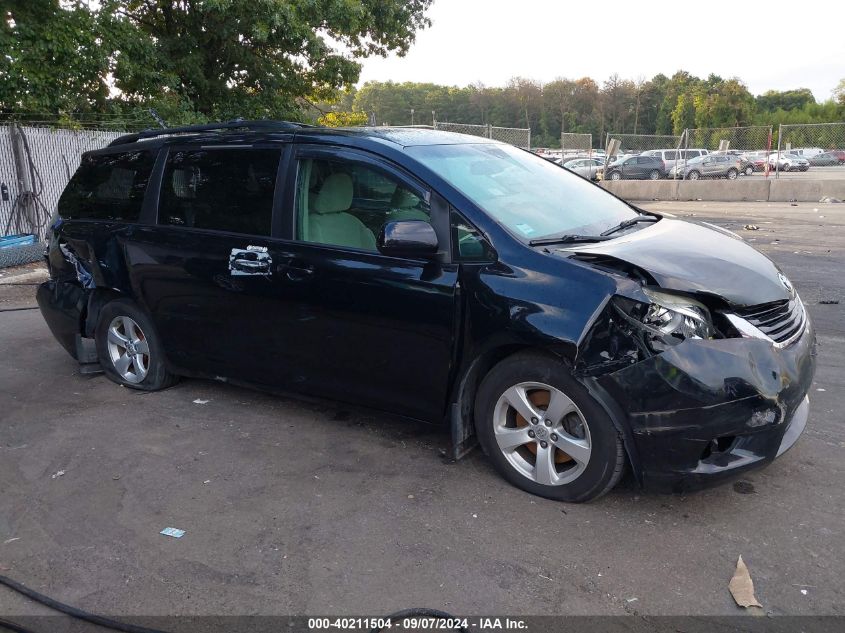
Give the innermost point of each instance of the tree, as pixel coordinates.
(194, 60)
(231, 58)
(53, 59)
(772, 100)
(839, 92)
(343, 119)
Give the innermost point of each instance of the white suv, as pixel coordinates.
(671, 157)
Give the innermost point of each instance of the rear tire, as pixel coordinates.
(525, 448)
(129, 348)
(694, 175)
(654, 175)
(615, 175)
(749, 170)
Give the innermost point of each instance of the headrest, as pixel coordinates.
(335, 195)
(403, 199)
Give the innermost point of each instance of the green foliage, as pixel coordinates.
(343, 119)
(661, 105)
(772, 100)
(191, 60)
(839, 92)
(53, 58)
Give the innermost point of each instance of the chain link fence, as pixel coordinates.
(571, 142)
(815, 147)
(756, 138)
(35, 165)
(637, 143)
(520, 137)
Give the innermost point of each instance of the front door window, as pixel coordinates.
(344, 203)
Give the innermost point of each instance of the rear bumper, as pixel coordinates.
(707, 411)
(62, 305)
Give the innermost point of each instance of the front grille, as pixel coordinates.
(781, 321)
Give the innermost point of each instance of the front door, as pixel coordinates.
(357, 325)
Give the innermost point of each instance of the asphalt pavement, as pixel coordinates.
(303, 508)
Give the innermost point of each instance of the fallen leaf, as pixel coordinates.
(742, 587)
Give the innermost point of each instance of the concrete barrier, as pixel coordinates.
(786, 190)
(741, 189)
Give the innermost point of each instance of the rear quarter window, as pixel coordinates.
(108, 187)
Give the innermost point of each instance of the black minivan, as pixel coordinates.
(438, 276)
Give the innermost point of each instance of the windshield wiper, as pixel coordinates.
(566, 238)
(627, 223)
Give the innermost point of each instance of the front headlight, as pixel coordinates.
(667, 320)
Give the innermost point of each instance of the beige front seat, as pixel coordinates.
(328, 220)
(404, 205)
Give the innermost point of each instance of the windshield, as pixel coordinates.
(530, 196)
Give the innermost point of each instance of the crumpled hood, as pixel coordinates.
(693, 258)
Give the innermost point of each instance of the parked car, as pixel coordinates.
(833, 157)
(437, 276)
(746, 166)
(806, 152)
(825, 160)
(585, 167)
(758, 160)
(788, 162)
(840, 154)
(709, 166)
(672, 157)
(636, 167)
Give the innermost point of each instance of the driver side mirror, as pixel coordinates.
(407, 238)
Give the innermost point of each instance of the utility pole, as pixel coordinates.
(433, 119)
(412, 116)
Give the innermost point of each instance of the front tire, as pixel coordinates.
(732, 174)
(129, 349)
(694, 175)
(654, 175)
(543, 431)
(749, 170)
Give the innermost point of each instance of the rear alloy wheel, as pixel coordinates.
(543, 431)
(128, 348)
(615, 175)
(693, 175)
(129, 351)
(732, 174)
(654, 175)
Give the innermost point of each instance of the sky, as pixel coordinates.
(772, 45)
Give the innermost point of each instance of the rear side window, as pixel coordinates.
(221, 189)
(108, 187)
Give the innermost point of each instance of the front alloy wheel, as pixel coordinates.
(542, 434)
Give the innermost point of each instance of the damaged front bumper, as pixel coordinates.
(707, 410)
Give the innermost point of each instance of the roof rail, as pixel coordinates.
(260, 124)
